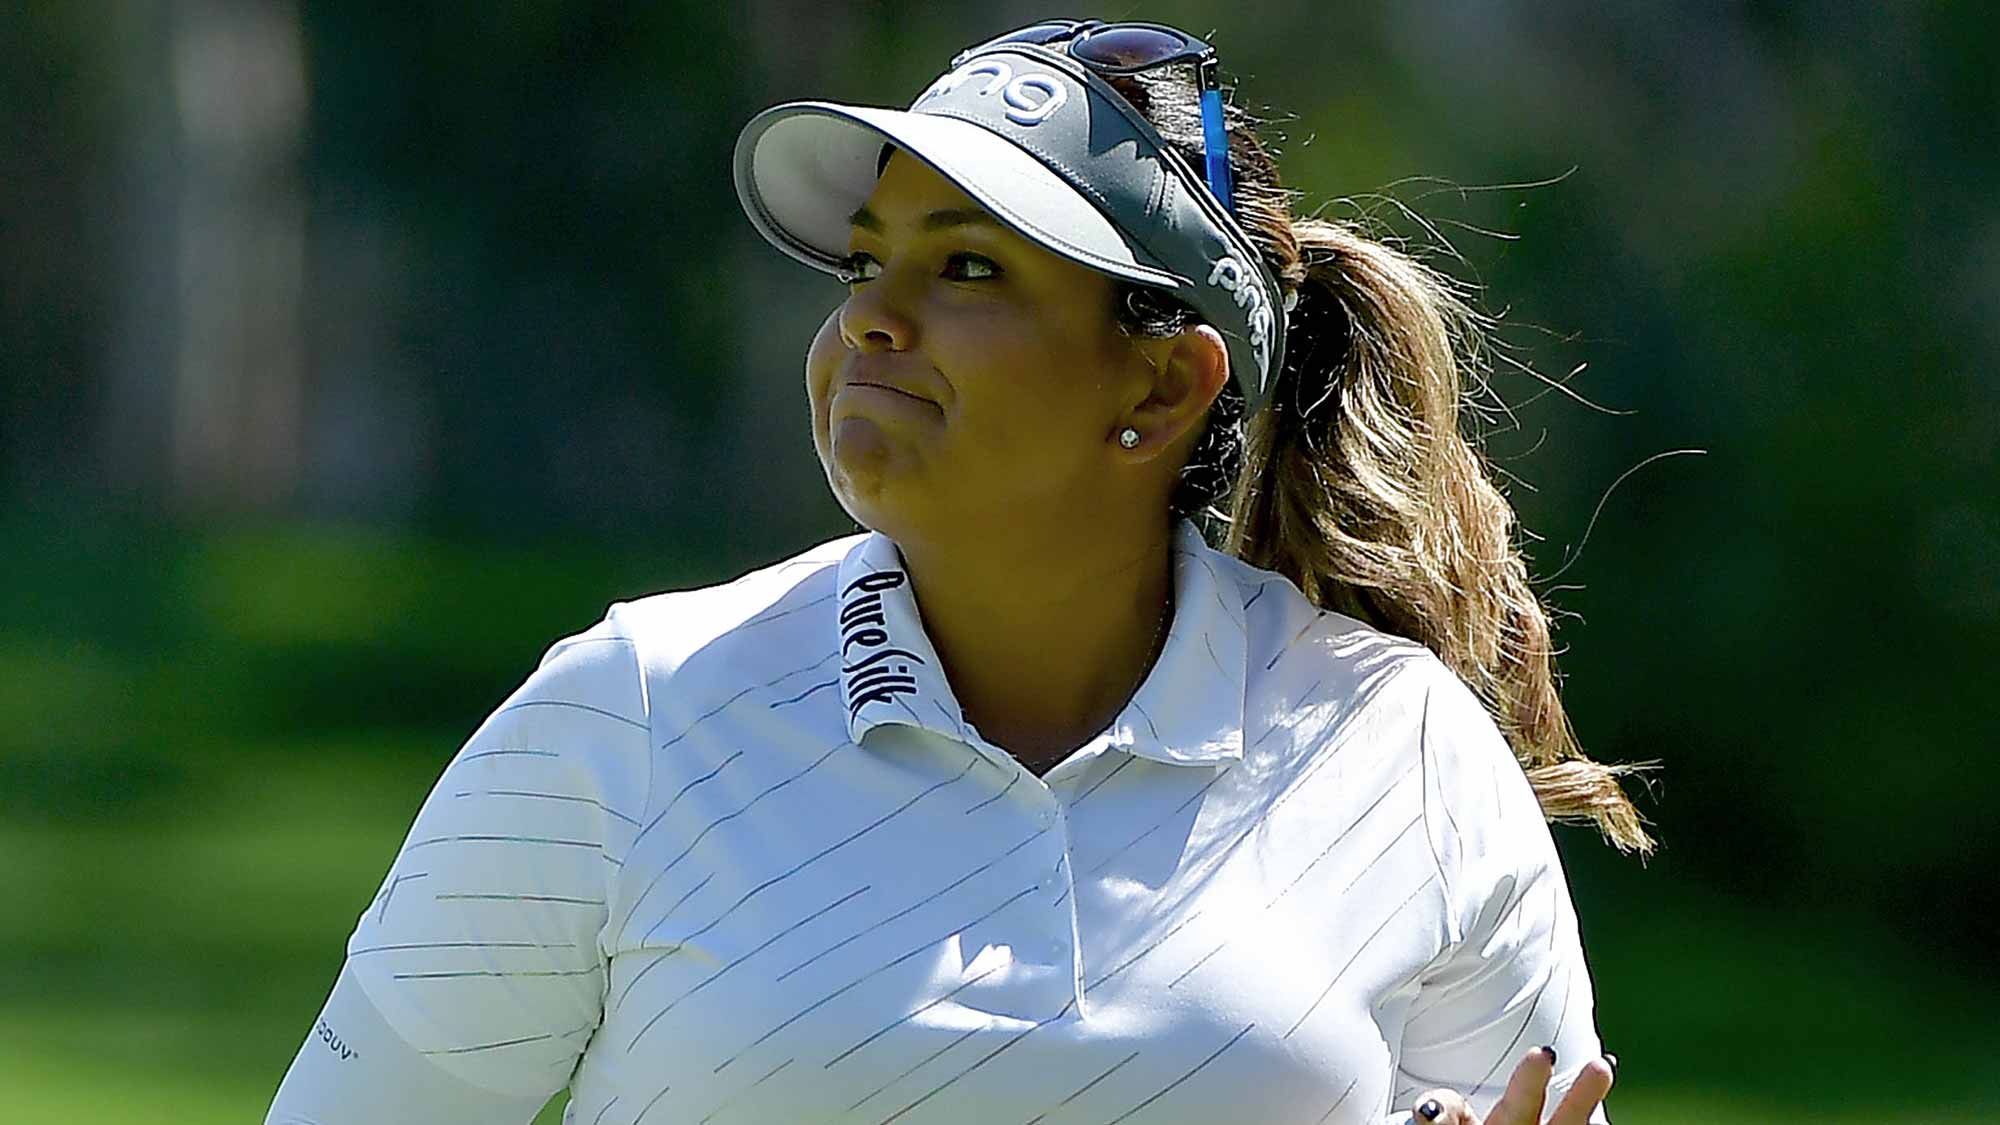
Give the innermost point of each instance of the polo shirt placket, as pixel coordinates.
(1188, 711)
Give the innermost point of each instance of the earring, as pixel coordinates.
(1128, 437)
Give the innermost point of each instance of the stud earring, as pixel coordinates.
(1128, 437)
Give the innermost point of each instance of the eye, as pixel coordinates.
(861, 266)
(856, 267)
(981, 268)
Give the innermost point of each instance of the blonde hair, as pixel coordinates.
(1366, 493)
(1358, 481)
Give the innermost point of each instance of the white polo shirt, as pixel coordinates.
(735, 855)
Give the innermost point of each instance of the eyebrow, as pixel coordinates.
(936, 220)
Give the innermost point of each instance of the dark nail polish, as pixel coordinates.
(1430, 1110)
(1550, 1052)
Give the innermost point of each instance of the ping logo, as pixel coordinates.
(1247, 287)
(883, 672)
(1030, 97)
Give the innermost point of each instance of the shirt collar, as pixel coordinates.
(1189, 710)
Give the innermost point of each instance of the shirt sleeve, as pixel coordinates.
(482, 950)
(353, 1069)
(1512, 977)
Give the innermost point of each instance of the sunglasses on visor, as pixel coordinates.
(1128, 48)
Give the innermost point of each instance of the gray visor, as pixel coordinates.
(1050, 150)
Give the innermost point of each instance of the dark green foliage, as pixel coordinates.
(545, 365)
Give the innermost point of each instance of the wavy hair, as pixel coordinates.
(1358, 481)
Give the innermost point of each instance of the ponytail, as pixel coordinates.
(1357, 484)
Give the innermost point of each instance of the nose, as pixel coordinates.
(871, 321)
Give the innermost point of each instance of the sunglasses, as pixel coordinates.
(1128, 48)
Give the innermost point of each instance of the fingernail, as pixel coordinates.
(1550, 1052)
(1613, 1060)
(1430, 1110)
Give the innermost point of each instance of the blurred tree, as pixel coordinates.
(483, 275)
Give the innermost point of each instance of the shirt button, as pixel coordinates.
(1045, 818)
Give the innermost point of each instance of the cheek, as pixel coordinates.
(822, 360)
(1027, 389)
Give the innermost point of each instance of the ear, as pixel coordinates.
(1189, 370)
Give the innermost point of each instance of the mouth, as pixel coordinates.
(892, 390)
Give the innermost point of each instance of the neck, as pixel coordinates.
(1044, 636)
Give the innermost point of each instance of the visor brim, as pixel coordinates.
(803, 168)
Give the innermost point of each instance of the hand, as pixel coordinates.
(1522, 1103)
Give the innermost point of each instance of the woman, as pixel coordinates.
(1027, 804)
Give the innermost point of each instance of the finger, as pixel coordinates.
(1522, 1103)
(1442, 1107)
(1592, 1083)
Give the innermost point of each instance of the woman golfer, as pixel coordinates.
(1029, 804)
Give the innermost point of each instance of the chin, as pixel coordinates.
(869, 480)
(870, 511)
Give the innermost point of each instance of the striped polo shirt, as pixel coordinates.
(736, 855)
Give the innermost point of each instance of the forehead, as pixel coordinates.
(909, 182)
(910, 194)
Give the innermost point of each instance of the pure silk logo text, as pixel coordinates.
(883, 671)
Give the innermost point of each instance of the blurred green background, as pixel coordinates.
(351, 354)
